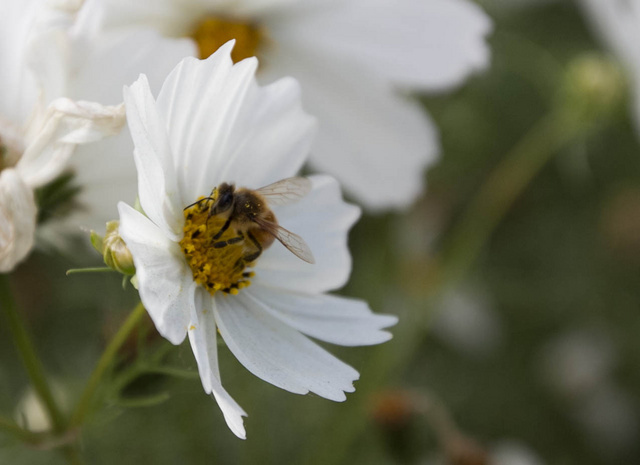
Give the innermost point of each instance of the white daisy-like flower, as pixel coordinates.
(39, 125)
(618, 23)
(210, 126)
(351, 58)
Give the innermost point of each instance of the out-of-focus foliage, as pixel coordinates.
(536, 350)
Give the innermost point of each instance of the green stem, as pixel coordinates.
(102, 269)
(8, 426)
(30, 359)
(500, 191)
(105, 362)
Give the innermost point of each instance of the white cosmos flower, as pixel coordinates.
(39, 125)
(211, 124)
(618, 22)
(351, 58)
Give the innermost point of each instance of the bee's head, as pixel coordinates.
(225, 199)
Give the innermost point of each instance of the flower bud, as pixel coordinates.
(594, 86)
(114, 251)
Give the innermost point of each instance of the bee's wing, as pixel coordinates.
(286, 191)
(291, 241)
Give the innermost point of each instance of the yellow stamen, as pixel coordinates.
(215, 268)
(215, 31)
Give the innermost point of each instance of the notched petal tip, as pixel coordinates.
(129, 91)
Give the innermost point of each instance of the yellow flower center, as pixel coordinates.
(217, 262)
(215, 31)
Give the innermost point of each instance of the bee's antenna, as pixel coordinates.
(197, 202)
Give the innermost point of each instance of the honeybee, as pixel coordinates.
(248, 212)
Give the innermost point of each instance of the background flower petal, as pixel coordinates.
(431, 45)
(19, 87)
(617, 22)
(64, 125)
(171, 17)
(374, 141)
(17, 219)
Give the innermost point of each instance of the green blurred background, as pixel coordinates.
(532, 352)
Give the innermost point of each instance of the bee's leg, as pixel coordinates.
(243, 261)
(253, 256)
(233, 240)
(224, 227)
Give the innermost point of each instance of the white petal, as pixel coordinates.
(431, 45)
(70, 6)
(17, 219)
(157, 186)
(254, 8)
(172, 18)
(19, 89)
(636, 99)
(165, 281)
(278, 353)
(48, 51)
(338, 320)
(107, 173)
(323, 220)
(223, 127)
(272, 137)
(619, 24)
(105, 61)
(376, 143)
(180, 18)
(203, 339)
(65, 124)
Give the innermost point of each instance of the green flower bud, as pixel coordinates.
(114, 251)
(594, 86)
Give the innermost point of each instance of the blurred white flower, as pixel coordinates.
(577, 362)
(39, 125)
(618, 23)
(212, 124)
(512, 452)
(580, 366)
(503, 452)
(609, 418)
(351, 58)
(466, 321)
